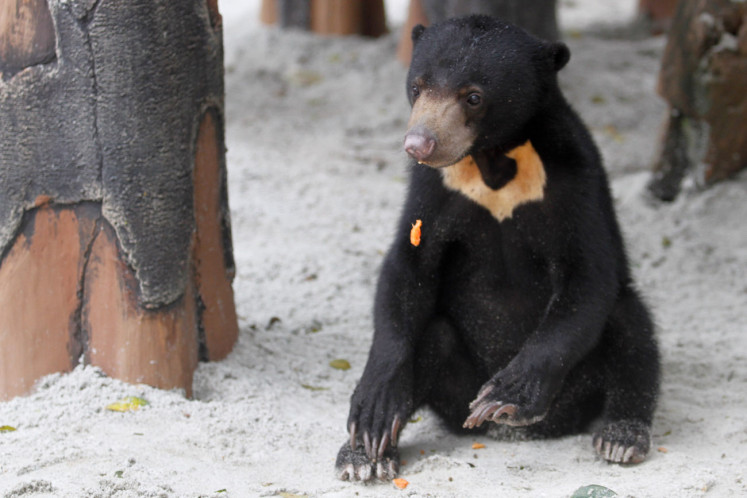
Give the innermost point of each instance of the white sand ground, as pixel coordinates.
(316, 173)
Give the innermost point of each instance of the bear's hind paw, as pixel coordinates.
(623, 441)
(355, 465)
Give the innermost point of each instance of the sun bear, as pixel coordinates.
(517, 305)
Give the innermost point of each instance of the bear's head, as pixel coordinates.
(475, 83)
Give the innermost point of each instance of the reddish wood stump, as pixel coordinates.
(658, 13)
(327, 17)
(115, 239)
(40, 285)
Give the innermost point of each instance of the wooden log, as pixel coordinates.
(268, 13)
(327, 17)
(336, 17)
(27, 35)
(129, 342)
(657, 13)
(212, 259)
(415, 15)
(115, 243)
(703, 77)
(40, 287)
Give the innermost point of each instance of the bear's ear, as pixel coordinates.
(559, 54)
(417, 32)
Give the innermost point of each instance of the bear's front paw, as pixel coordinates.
(354, 464)
(511, 403)
(623, 441)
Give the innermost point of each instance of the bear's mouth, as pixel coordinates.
(447, 163)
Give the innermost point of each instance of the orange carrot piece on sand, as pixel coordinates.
(400, 483)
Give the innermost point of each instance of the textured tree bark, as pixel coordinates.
(115, 239)
(539, 17)
(703, 77)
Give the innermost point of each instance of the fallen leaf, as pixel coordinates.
(7, 428)
(614, 133)
(477, 446)
(305, 77)
(400, 483)
(314, 388)
(340, 364)
(128, 404)
(662, 449)
(593, 491)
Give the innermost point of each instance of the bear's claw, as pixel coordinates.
(623, 441)
(357, 465)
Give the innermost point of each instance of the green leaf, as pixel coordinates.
(128, 404)
(593, 491)
(340, 364)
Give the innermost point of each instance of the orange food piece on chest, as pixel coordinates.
(415, 233)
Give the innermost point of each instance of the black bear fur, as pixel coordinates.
(529, 320)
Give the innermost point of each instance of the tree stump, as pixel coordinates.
(115, 239)
(539, 17)
(327, 17)
(703, 77)
(657, 14)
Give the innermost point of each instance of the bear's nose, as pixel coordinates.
(420, 143)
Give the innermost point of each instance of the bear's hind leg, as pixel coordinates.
(631, 376)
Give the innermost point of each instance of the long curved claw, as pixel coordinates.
(505, 410)
(353, 435)
(382, 447)
(480, 414)
(367, 444)
(396, 426)
(374, 449)
(481, 395)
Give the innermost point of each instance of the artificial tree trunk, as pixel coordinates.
(327, 17)
(115, 241)
(703, 78)
(657, 14)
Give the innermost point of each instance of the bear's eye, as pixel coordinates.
(474, 99)
(415, 91)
